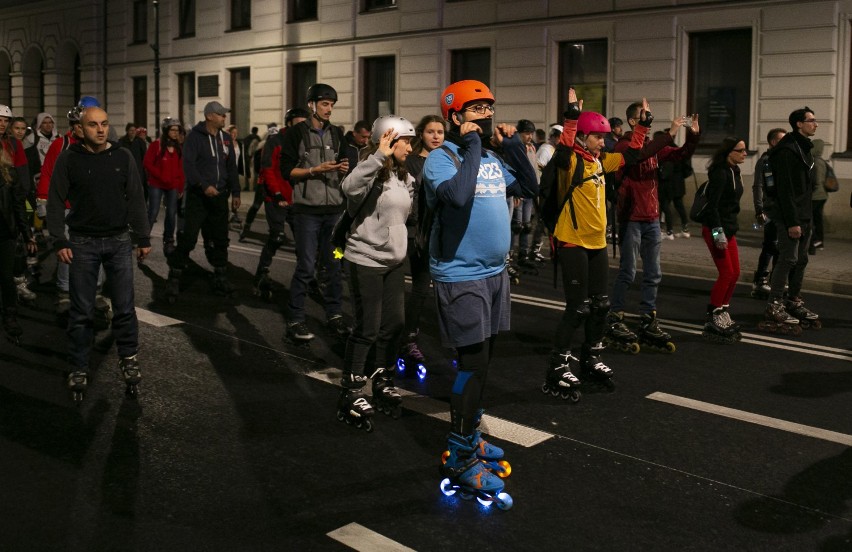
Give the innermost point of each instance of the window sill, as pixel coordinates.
(377, 10)
(182, 37)
(305, 20)
(238, 29)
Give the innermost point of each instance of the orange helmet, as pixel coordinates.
(459, 93)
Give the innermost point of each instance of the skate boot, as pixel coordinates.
(535, 254)
(717, 328)
(131, 373)
(263, 285)
(173, 285)
(33, 269)
(236, 223)
(25, 294)
(221, 285)
(525, 264)
(592, 370)
(490, 455)
(760, 287)
(735, 327)
(77, 382)
(298, 334)
(11, 327)
(466, 475)
(386, 398)
(103, 311)
(411, 356)
(651, 336)
(778, 320)
(352, 406)
(807, 318)
(618, 335)
(337, 327)
(560, 379)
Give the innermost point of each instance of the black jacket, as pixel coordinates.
(13, 212)
(210, 161)
(791, 163)
(724, 189)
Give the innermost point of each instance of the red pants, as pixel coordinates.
(728, 263)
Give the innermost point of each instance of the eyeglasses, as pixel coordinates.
(809, 121)
(481, 109)
(739, 150)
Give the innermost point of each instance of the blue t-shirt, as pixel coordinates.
(468, 242)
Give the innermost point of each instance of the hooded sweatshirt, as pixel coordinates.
(210, 160)
(42, 142)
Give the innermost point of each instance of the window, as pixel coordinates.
(471, 64)
(583, 65)
(370, 5)
(719, 84)
(379, 86)
(302, 77)
(186, 98)
(140, 101)
(140, 21)
(301, 10)
(240, 97)
(186, 18)
(240, 15)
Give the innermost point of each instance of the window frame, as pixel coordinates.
(183, 31)
(236, 6)
(292, 16)
(563, 81)
(369, 88)
(458, 73)
(140, 25)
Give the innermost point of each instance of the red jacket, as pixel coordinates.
(164, 171)
(50, 161)
(638, 199)
(270, 171)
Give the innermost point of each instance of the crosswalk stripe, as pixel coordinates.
(752, 418)
(154, 319)
(358, 537)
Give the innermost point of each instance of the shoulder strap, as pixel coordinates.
(453, 156)
(576, 180)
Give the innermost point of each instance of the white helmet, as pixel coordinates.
(273, 130)
(5, 111)
(401, 125)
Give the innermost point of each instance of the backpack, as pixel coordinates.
(699, 204)
(424, 228)
(336, 139)
(550, 207)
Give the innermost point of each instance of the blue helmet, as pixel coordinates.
(88, 101)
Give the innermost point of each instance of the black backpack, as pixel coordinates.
(551, 206)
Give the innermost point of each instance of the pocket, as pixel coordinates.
(79, 240)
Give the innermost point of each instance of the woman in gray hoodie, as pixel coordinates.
(378, 196)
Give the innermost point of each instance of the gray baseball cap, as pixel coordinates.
(215, 107)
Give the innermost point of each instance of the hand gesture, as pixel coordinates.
(500, 131)
(572, 98)
(386, 140)
(695, 128)
(646, 111)
(468, 127)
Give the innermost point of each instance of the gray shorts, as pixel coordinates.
(473, 311)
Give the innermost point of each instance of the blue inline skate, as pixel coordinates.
(466, 475)
(490, 455)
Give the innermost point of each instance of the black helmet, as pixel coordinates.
(321, 91)
(294, 112)
(615, 122)
(525, 125)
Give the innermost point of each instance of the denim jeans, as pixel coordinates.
(313, 237)
(642, 240)
(155, 197)
(62, 270)
(115, 254)
(792, 260)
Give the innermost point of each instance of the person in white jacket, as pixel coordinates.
(378, 195)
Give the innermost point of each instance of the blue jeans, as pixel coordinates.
(62, 270)
(155, 197)
(115, 254)
(313, 237)
(639, 239)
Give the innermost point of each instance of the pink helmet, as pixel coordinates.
(591, 122)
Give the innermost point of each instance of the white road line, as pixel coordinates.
(358, 537)
(752, 418)
(155, 319)
(496, 427)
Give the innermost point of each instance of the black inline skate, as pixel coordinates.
(535, 254)
(11, 327)
(411, 359)
(337, 327)
(513, 271)
(652, 337)
(593, 372)
(560, 379)
(352, 406)
(77, 382)
(717, 328)
(131, 374)
(525, 264)
(298, 334)
(263, 285)
(173, 285)
(760, 287)
(807, 318)
(619, 336)
(465, 474)
(386, 398)
(220, 283)
(778, 320)
(235, 223)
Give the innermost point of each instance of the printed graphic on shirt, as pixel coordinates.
(490, 182)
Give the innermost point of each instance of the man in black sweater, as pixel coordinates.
(101, 183)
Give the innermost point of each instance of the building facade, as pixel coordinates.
(742, 65)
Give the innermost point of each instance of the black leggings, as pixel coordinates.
(420, 280)
(584, 281)
(681, 210)
(259, 194)
(467, 392)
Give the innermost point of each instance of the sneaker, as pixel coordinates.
(683, 234)
(669, 236)
(818, 245)
(299, 331)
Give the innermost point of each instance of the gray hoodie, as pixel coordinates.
(44, 142)
(379, 237)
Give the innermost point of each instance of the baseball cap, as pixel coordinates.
(215, 107)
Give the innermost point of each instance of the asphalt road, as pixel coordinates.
(233, 443)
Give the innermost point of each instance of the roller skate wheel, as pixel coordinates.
(131, 391)
(633, 348)
(670, 347)
(340, 416)
(506, 471)
(816, 324)
(504, 501)
(608, 384)
(572, 394)
(400, 365)
(397, 412)
(465, 495)
(445, 456)
(368, 426)
(487, 502)
(421, 372)
(447, 487)
(545, 389)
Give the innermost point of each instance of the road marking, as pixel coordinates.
(358, 537)
(492, 425)
(752, 418)
(155, 319)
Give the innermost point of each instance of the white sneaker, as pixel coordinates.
(668, 236)
(682, 235)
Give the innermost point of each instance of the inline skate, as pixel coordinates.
(386, 398)
(778, 320)
(652, 337)
(235, 223)
(560, 379)
(760, 287)
(733, 326)
(77, 382)
(173, 285)
(718, 329)
(298, 334)
(807, 318)
(526, 264)
(410, 356)
(619, 336)
(535, 254)
(490, 455)
(592, 370)
(263, 285)
(11, 327)
(221, 285)
(352, 406)
(336, 327)
(103, 311)
(25, 294)
(513, 271)
(465, 474)
(131, 374)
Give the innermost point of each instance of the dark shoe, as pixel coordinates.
(299, 331)
(337, 326)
